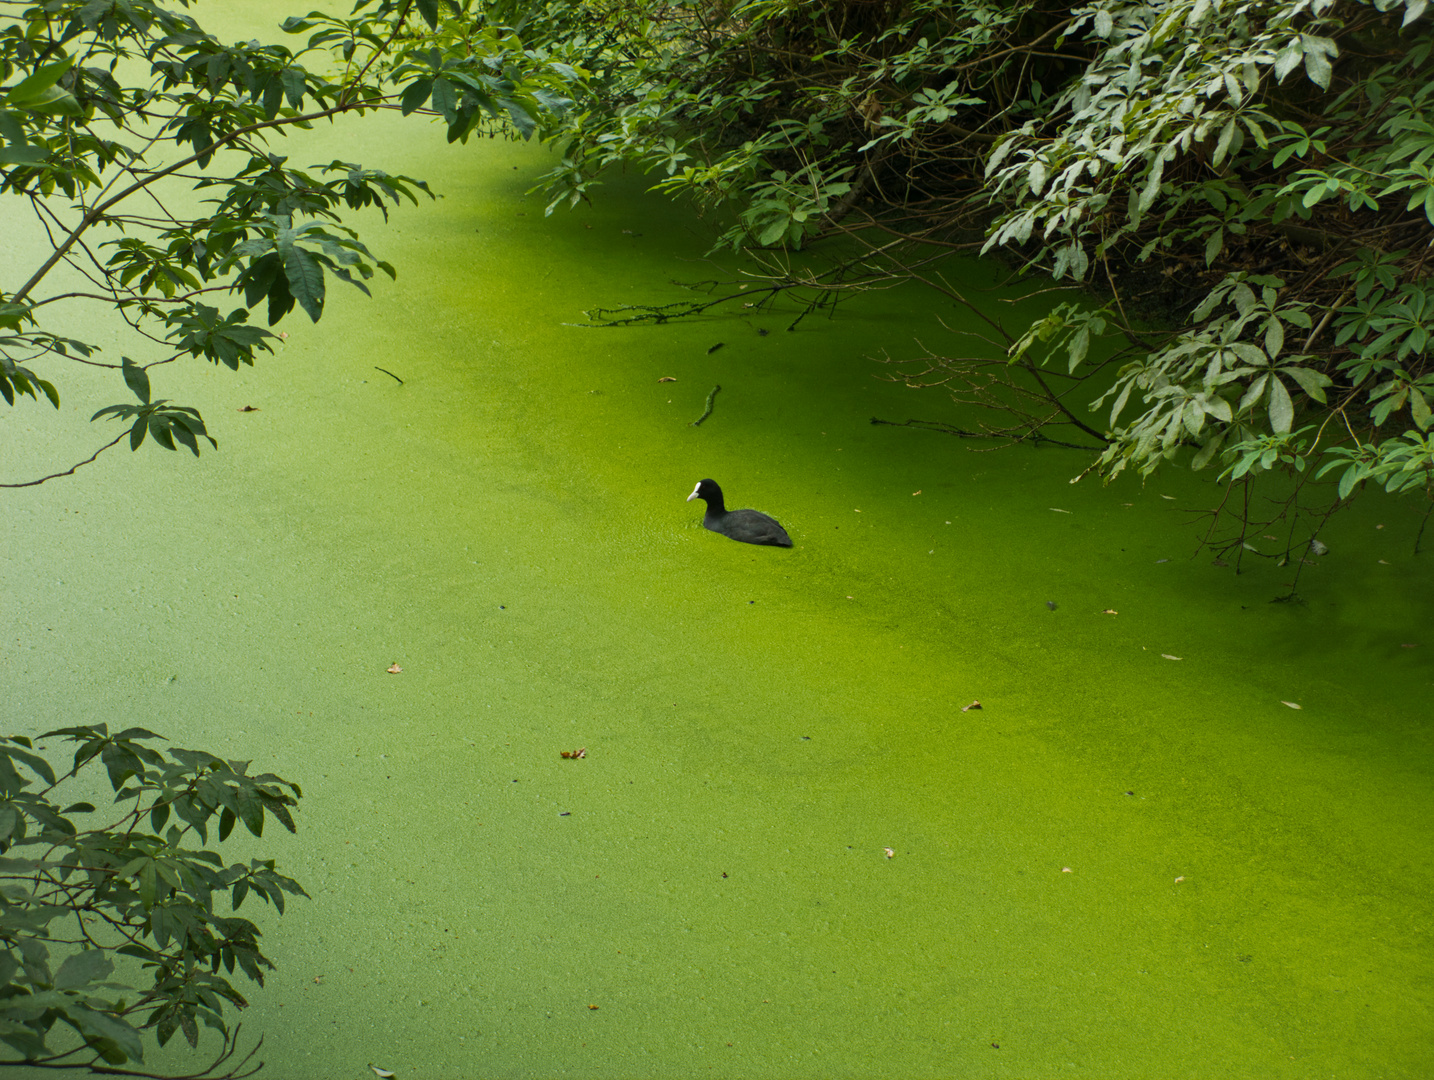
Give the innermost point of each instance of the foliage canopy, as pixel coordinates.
(1244, 189)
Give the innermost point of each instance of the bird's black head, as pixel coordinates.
(708, 491)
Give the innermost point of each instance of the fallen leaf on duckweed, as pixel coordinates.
(381, 1072)
(394, 670)
(1058, 510)
(1169, 657)
(916, 493)
(667, 378)
(1067, 870)
(1170, 497)
(1384, 562)
(1110, 611)
(575, 754)
(593, 1007)
(1292, 704)
(973, 705)
(1180, 879)
(889, 853)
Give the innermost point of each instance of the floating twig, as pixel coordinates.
(388, 373)
(707, 411)
(715, 347)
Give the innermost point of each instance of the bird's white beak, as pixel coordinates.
(694, 491)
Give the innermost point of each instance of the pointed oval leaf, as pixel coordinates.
(1282, 409)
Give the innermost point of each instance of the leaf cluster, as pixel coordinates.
(110, 110)
(81, 888)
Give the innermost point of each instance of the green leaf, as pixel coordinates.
(23, 154)
(39, 92)
(136, 378)
(1351, 476)
(1419, 409)
(415, 94)
(1317, 65)
(1282, 409)
(1311, 382)
(305, 277)
(1207, 451)
(82, 968)
(104, 1028)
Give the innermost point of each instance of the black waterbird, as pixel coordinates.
(748, 526)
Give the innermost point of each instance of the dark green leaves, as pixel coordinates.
(39, 92)
(137, 379)
(157, 890)
(171, 426)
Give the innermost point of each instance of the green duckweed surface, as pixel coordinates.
(788, 851)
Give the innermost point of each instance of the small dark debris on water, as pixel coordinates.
(1051, 604)
(565, 813)
(390, 374)
(763, 331)
(248, 408)
(1218, 562)
(995, 1046)
(715, 347)
(1130, 793)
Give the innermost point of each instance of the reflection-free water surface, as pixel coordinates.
(1122, 865)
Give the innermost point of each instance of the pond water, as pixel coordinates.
(788, 852)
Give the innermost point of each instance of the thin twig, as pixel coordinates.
(72, 468)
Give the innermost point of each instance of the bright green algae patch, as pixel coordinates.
(1248, 890)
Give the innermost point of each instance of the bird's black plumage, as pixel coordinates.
(748, 526)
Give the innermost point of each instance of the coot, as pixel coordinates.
(748, 526)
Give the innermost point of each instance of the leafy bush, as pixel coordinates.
(76, 895)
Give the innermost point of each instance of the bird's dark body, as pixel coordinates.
(746, 526)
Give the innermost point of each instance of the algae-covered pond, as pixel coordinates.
(788, 852)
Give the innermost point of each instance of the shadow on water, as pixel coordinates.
(1133, 861)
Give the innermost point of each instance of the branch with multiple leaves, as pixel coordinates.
(142, 885)
(103, 161)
